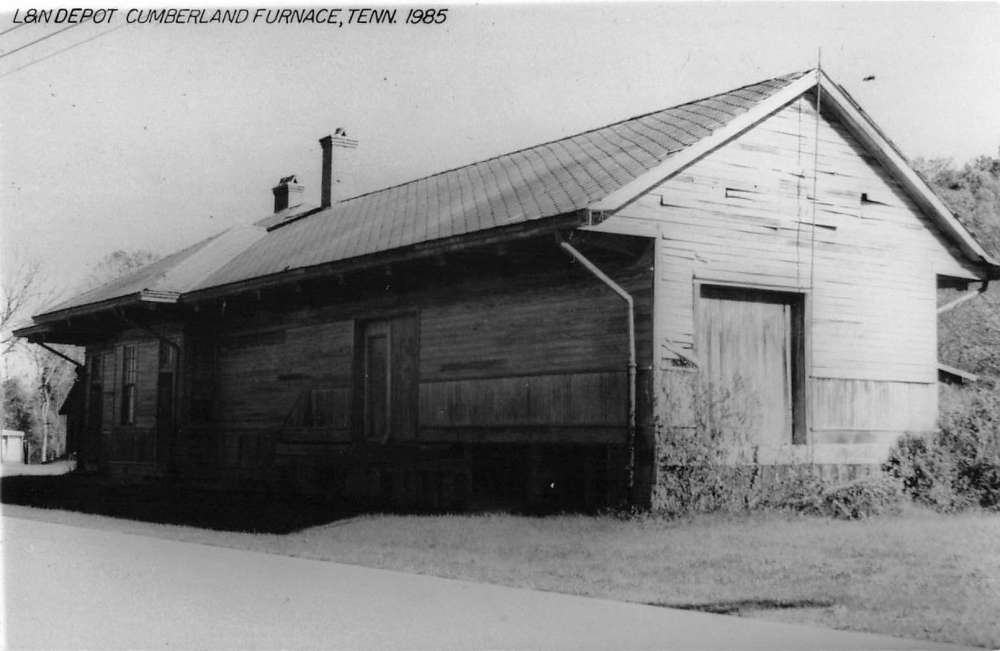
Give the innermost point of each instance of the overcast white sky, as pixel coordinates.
(157, 136)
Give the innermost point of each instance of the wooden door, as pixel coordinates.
(750, 343)
(387, 382)
(377, 380)
(165, 407)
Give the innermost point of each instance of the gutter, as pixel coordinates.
(951, 305)
(603, 277)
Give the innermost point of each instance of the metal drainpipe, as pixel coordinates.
(603, 277)
(963, 298)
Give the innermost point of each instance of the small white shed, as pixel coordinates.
(12, 446)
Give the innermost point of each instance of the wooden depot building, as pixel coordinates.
(534, 327)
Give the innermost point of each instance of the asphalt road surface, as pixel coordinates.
(74, 588)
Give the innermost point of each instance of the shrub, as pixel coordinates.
(805, 493)
(800, 491)
(958, 466)
(708, 463)
(863, 498)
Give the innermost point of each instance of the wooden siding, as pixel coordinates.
(866, 260)
(262, 374)
(498, 356)
(569, 399)
(110, 441)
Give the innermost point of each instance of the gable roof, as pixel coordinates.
(591, 174)
(554, 178)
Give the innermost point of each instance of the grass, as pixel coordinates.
(918, 575)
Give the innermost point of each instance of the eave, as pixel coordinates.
(50, 322)
(519, 231)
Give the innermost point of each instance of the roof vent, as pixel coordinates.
(288, 193)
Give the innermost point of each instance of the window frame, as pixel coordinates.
(130, 372)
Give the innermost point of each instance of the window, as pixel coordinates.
(128, 385)
(168, 357)
(94, 410)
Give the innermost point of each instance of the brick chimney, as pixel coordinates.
(288, 193)
(326, 189)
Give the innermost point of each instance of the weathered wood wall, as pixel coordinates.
(530, 350)
(112, 444)
(768, 210)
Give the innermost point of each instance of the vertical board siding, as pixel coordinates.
(404, 367)
(747, 352)
(746, 215)
(858, 405)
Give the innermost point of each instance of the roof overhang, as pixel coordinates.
(503, 234)
(833, 98)
(955, 375)
(49, 323)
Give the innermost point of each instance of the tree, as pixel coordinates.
(969, 335)
(53, 381)
(972, 193)
(16, 405)
(118, 264)
(20, 290)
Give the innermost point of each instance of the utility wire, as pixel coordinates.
(39, 40)
(60, 51)
(11, 29)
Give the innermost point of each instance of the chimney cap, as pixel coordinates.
(288, 179)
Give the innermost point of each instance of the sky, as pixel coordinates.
(131, 136)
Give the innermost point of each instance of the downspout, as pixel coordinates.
(963, 298)
(603, 277)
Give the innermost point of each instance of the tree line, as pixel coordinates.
(969, 335)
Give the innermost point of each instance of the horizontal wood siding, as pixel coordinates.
(550, 354)
(264, 375)
(503, 356)
(866, 259)
(598, 399)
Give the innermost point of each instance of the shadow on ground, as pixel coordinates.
(172, 503)
(741, 606)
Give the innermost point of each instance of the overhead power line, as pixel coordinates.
(39, 40)
(61, 50)
(11, 29)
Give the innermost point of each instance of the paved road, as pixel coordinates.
(71, 588)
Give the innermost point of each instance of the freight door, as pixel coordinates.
(387, 381)
(751, 344)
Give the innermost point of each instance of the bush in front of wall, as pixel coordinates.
(958, 466)
(708, 463)
(807, 493)
(863, 498)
